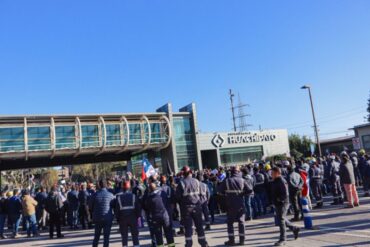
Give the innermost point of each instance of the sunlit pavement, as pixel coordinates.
(337, 227)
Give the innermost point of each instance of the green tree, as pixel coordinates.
(49, 178)
(299, 146)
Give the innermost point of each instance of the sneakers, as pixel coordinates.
(357, 204)
(349, 206)
(207, 228)
(280, 243)
(296, 233)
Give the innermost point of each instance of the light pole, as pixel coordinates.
(314, 118)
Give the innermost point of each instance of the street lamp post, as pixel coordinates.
(314, 118)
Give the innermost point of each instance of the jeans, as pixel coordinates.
(16, 220)
(260, 203)
(248, 205)
(106, 227)
(281, 214)
(73, 217)
(2, 223)
(31, 224)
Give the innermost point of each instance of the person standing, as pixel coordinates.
(315, 174)
(295, 185)
(127, 211)
(280, 198)
(29, 212)
(171, 199)
(156, 204)
(15, 211)
(101, 205)
(54, 206)
(335, 180)
(364, 168)
(347, 177)
(259, 192)
(188, 196)
(235, 188)
(41, 214)
(204, 199)
(3, 213)
(83, 209)
(73, 205)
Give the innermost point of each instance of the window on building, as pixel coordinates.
(39, 138)
(11, 139)
(366, 142)
(185, 143)
(232, 156)
(65, 137)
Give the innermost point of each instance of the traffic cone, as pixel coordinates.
(308, 223)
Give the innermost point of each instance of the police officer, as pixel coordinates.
(316, 184)
(235, 188)
(335, 180)
(280, 198)
(127, 211)
(204, 199)
(156, 204)
(188, 196)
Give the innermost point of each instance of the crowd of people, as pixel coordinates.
(189, 197)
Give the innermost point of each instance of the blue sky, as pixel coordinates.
(134, 56)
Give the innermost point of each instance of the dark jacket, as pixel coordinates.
(279, 192)
(127, 205)
(346, 173)
(156, 204)
(83, 197)
(3, 206)
(53, 203)
(101, 204)
(259, 183)
(188, 192)
(41, 199)
(72, 198)
(235, 188)
(14, 205)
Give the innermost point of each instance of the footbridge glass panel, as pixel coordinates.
(24, 137)
(11, 139)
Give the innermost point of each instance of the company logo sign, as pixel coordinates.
(218, 141)
(240, 138)
(237, 138)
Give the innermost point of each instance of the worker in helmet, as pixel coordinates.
(188, 194)
(127, 211)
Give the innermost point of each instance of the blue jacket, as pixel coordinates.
(101, 204)
(156, 204)
(41, 199)
(72, 198)
(14, 205)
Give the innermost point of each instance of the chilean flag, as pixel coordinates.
(148, 170)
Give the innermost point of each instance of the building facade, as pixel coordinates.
(224, 149)
(362, 133)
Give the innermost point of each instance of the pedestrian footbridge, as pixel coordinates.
(29, 141)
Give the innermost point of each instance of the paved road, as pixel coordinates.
(338, 227)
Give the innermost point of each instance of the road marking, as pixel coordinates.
(335, 230)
